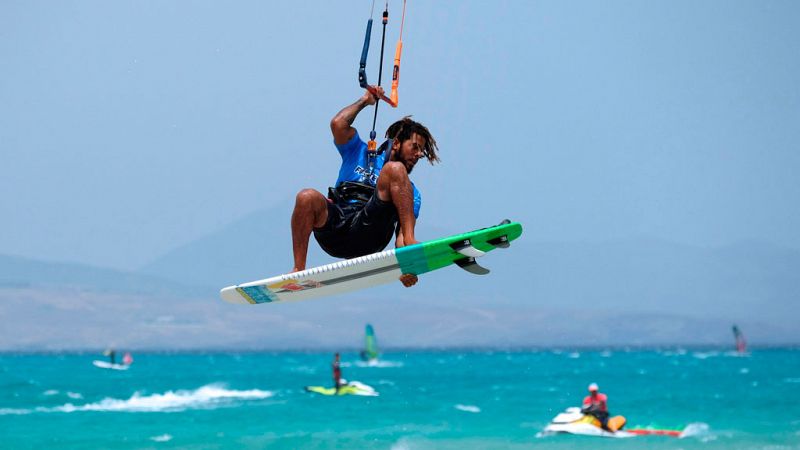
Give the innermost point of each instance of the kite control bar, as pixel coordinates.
(362, 67)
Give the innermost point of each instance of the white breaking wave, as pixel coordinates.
(162, 438)
(402, 444)
(468, 408)
(14, 411)
(72, 395)
(704, 355)
(380, 363)
(208, 396)
(698, 430)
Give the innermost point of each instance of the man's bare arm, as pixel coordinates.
(342, 122)
(408, 279)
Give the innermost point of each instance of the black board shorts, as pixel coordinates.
(357, 229)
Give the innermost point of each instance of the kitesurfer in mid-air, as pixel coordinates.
(373, 198)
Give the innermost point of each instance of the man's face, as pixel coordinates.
(410, 151)
(593, 393)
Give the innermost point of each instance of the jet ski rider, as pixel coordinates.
(336, 366)
(596, 404)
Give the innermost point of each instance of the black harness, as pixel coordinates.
(348, 192)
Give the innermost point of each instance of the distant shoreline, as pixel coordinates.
(453, 349)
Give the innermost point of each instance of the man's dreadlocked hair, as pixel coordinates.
(405, 127)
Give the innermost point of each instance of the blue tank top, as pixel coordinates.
(355, 166)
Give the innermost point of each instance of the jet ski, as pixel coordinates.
(347, 388)
(573, 421)
(127, 360)
(108, 365)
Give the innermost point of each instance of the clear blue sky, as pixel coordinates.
(128, 128)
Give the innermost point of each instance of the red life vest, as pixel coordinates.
(598, 402)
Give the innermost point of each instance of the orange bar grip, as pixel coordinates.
(396, 73)
(374, 92)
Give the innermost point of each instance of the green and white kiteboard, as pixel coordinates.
(378, 268)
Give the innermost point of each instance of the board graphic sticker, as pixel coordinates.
(377, 268)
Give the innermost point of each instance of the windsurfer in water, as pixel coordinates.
(336, 365)
(741, 345)
(373, 198)
(595, 404)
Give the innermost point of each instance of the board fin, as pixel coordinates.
(465, 248)
(501, 241)
(471, 266)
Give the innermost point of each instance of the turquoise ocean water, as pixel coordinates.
(428, 400)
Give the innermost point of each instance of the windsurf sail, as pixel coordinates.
(741, 345)
(370, 345)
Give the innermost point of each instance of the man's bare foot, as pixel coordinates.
(408, 279)
(295, 269)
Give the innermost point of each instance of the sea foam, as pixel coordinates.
(698, 430)
(379, 363)
(468, 408)
(161, 438)
(206, 397)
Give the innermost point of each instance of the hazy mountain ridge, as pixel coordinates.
(38, 319)
(747, 278)
(624, 292)
(17, 271)
(254, 247)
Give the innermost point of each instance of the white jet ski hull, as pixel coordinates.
(108, 365)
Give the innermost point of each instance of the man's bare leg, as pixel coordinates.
(395, 187)
(310, 211)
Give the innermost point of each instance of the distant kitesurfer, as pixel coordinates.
(112, 355)
(337, 372)
(595, 404)
(373, 198)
